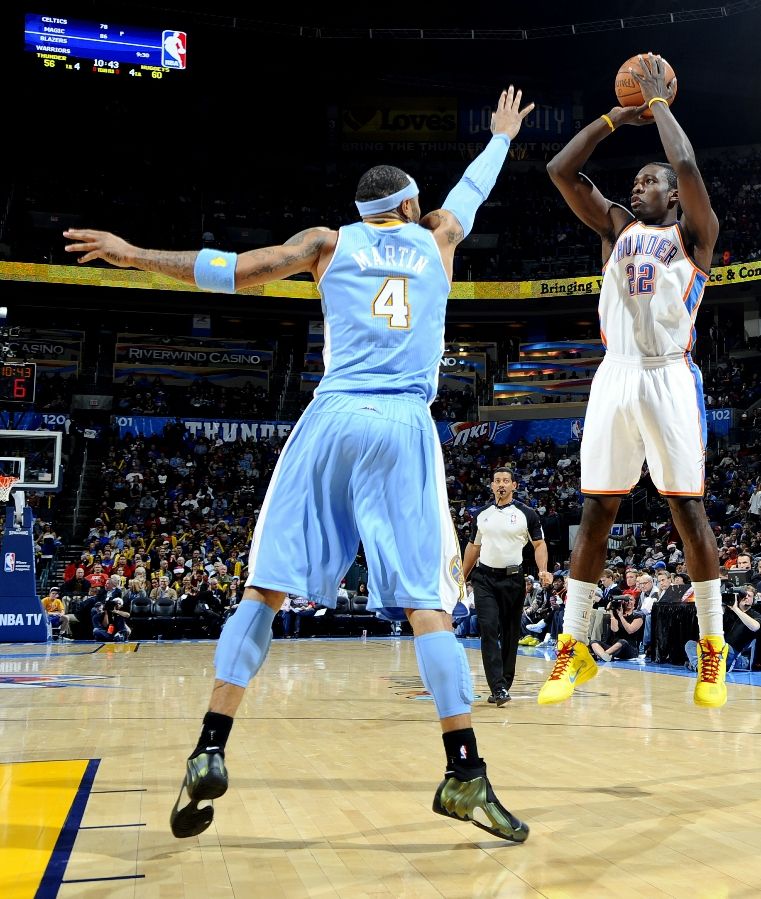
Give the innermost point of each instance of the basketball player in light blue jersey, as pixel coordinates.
(646, 401)
(364, 461)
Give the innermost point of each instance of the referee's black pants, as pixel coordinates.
(499, 606)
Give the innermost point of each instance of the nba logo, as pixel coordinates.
(173, 49)
(10, 562)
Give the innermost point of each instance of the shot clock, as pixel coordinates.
(106, 48)
(17, 382)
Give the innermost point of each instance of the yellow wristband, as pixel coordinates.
(608, 121)
(657, 100)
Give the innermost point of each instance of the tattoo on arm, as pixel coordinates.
(455, 234)
(308, 239)
(179, 265)
(298, 253)
(448, 223)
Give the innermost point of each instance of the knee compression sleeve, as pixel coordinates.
(445, 672)
(244, 643)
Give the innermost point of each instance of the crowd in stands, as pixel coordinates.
(536, 235)
(201, 397)
(53, 391)
(732, 384)
(454, 405)
(176, 517)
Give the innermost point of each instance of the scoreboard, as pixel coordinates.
(106, 48)
(17, 382)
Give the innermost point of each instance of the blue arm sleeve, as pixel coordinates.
(477, 181)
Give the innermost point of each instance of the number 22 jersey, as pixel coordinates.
(650, 294)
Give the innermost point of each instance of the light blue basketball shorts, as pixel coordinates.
(360, 467)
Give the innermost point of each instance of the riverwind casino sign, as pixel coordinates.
(141, 358)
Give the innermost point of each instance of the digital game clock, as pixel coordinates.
(17, 382)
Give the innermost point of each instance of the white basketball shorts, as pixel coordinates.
(645, 409)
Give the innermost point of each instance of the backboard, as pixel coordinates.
(32, 456)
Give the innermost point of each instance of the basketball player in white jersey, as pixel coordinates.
(646, 400)
(364, 460)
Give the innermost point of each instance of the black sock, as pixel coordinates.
(214, 733)
(461, 749)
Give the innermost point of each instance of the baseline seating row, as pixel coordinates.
(349, 619)
(167, 618)
(148, 618)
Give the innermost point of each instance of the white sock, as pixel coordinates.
(578, 609)
(709, 608)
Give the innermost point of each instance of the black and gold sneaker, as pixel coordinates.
(205, 779)
(468, 796)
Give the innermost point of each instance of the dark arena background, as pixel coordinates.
(235, 125)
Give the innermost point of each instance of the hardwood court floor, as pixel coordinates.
(629, 789)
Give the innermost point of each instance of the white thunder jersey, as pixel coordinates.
(646, 400)
(650, 294)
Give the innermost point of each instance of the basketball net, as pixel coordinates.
(7, 483)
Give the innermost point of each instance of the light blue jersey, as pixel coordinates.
(364, 461)
(384, 299)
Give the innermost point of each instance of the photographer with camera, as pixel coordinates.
(623, 632)
(741, 626)
(109, 621)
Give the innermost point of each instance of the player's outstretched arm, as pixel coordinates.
(208, 269)
(115, 250)
(300, 253)
(581, 195)
(479, 178)
(699, 219)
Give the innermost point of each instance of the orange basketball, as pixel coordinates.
(627, 88)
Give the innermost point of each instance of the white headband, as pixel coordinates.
(386, 204)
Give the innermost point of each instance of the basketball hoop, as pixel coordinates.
(7, 483)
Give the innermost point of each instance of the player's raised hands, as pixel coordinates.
(509, 116)
(630, 115)
(652, 78)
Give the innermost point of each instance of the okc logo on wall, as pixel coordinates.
(455, 433)
(174, 49)
(10, 562)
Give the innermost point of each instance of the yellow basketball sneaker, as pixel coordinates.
(711, 689)
(574, 666)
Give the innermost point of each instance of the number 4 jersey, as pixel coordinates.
(651, 292)
(384, 296)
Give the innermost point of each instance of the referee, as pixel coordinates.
(500, 531)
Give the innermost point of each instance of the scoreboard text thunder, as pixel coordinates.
(76, 45)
